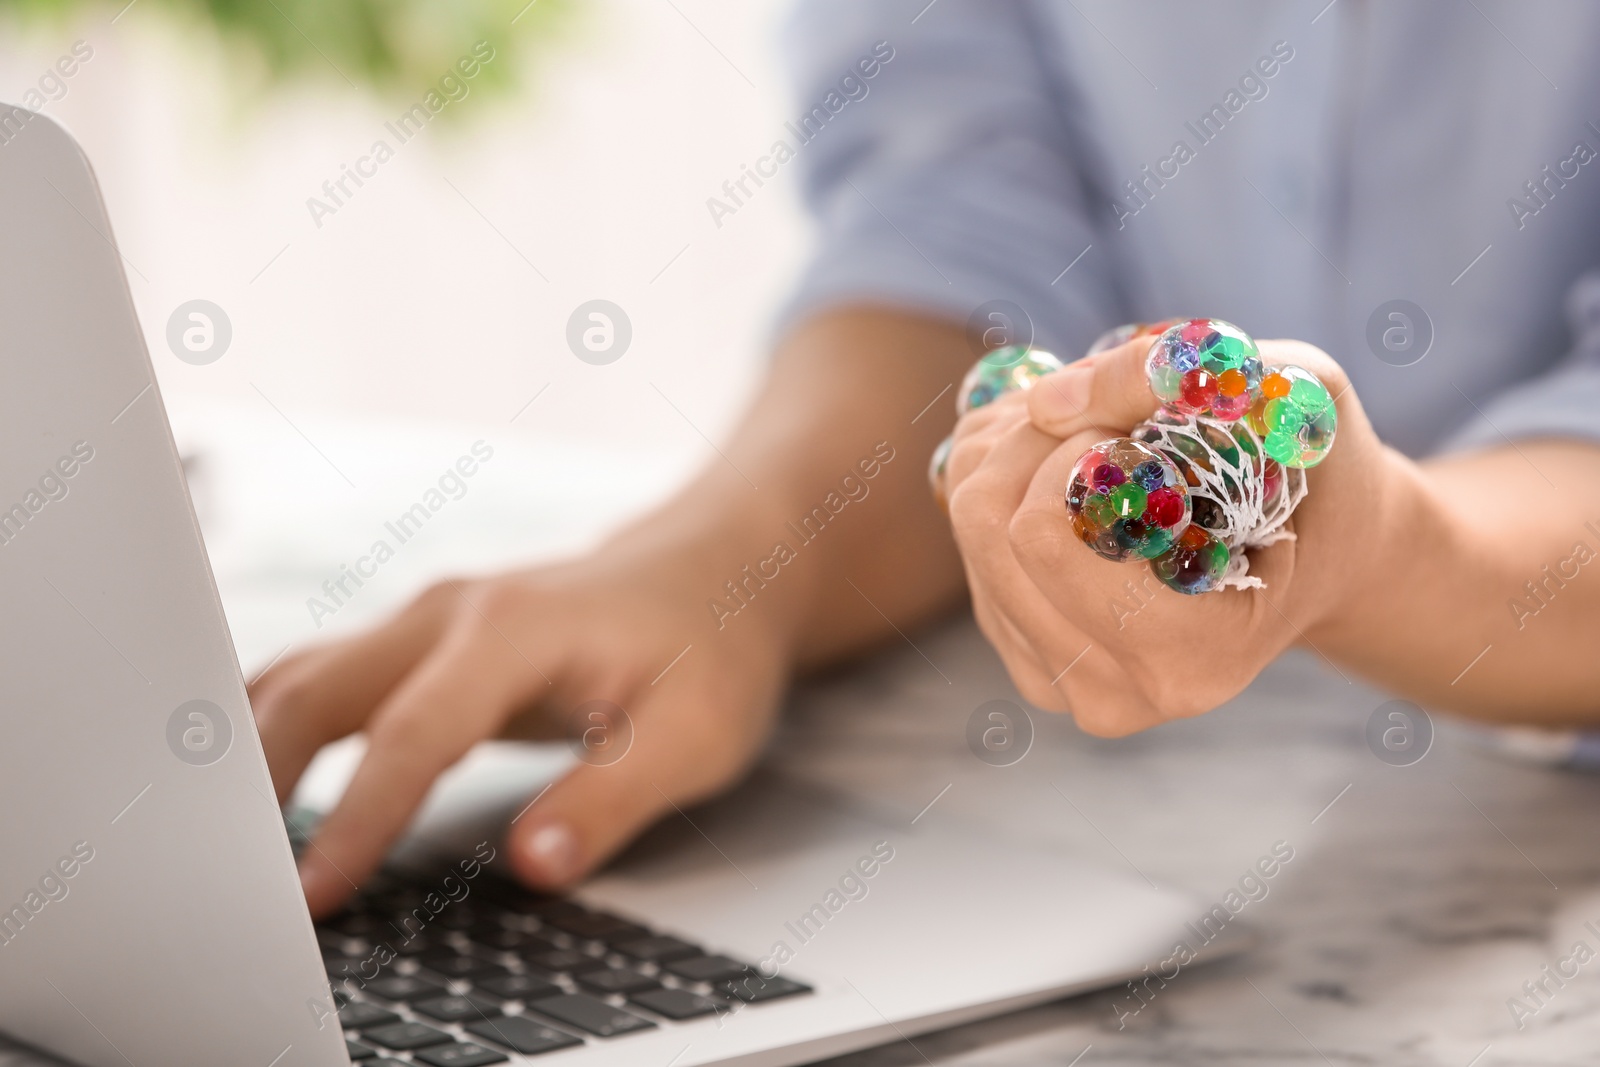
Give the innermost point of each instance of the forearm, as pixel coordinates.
(1482, 598)
(816, 522)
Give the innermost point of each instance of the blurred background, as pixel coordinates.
(374, 344)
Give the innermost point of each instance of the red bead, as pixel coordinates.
(1199, 389)
(1164, 508)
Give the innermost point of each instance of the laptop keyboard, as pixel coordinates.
(507, 971)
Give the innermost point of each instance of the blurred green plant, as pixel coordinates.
(392, 47)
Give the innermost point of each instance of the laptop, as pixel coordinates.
(149, 907)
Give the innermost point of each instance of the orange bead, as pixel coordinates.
(1232, 383)
(1193, 537)
(1274, 386)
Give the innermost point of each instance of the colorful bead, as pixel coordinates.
(1195, 564)
(1214, 364)
(1295, 417)
(1002, 371)
(1126, 500)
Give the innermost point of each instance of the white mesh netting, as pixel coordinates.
(1229, 488)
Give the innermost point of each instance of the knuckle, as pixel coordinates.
(1102, 717)
(971, 513)
(1178, 695)
(408, 738)
(499, 602)
(1040, 693)
(1035, 534)
(437, 597)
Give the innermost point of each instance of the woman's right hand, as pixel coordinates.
(518, 653)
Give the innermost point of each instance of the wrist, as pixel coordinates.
(1390, 550)
(720, 548)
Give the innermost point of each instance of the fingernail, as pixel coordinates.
(553, 851)
(1064, 396)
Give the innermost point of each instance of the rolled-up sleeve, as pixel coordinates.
(952, 182)
(1565, 402)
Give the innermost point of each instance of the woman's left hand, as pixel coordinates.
(1108, 642)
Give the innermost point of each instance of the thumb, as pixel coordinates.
(1107, 392)
(632, 770)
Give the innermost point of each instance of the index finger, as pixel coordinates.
(462, 692)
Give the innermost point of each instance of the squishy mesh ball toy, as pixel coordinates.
(1237, 434)
(1205, 367)
(1295, 417)
(1127, 501)
(1013, 367)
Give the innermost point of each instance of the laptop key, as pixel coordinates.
(616, 980)
(706, 968)
(521, 1034)
(460, 1056)
(565, 961)
(407, 987)
(518, 987)
(358, 1051)
(358, 1015)
(405, 1036)
(385, 1062)
(755, 988)
(677, 1004)
(590, 1015)
(506, 939)
(456, 1009)
(455, 965)
(659, 949)
(597, 926)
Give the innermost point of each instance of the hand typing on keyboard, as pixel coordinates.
(519, 653)
(805, 541)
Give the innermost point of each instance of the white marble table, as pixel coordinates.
(1416, 905)
(1419, 900)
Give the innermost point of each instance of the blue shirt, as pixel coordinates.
(1295, 168)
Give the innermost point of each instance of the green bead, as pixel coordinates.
(1128, 500)
(1166, 383)
(1156, 542)
(1281, 415)
(1230, 349)
(1283, 447)
(1005, 356)
(1214, 556)
(1098, 510)
(1309, 395)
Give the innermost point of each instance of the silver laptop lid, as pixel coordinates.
(149, 910)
